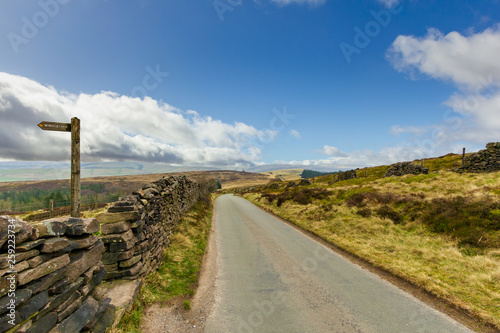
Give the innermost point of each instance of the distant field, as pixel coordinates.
(52, 171)
(129, 183)
(286, 174)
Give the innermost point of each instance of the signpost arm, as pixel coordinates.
(75, 167)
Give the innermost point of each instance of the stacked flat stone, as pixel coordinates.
(136, 229)
(57, 265)
(486, 160)
(346, 175)
(405, 168)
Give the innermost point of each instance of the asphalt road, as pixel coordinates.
(273, 278)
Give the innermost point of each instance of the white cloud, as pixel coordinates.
(332, 151)
(467, 61)
(360, 159)
(308, 2)
(116, 128)
(470, 62)
(295, 134)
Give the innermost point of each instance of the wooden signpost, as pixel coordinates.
(74, 128)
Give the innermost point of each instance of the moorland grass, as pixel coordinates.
(439, 231)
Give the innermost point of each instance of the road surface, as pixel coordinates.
(273, 278)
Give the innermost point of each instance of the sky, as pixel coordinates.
(235, 83)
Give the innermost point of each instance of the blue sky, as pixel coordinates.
(336, 82)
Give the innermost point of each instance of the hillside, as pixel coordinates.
(25, 196)
(439, 231)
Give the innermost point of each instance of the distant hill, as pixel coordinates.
(26, 171)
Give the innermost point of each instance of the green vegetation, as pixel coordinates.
(35, 198)
(177, 277)
(311, 173)
(439, 231)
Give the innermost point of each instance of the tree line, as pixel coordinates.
(36, 198)
(311, 173)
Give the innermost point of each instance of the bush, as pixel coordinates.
(389, 213)
(471, 222)
(364, 212)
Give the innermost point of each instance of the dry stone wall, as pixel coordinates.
(47, 273)
(486, 160)
(136, 229)
(49, 270)
(346, 175)
(405, 168)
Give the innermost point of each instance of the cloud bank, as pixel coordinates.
(470, 63)
(116, 128)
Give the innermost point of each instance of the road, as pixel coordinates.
(273, 278)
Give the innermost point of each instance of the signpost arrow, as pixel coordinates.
(74, 128)
(50, 126)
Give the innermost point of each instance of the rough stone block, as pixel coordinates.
(47, 281)
(59, 287)
(115, 228)
(4, 258)
(19, 267)
(86, 242)
(120, 209)
(103, 305)
(97, 278)
(35, 303)
(131, 261)
(78, 319)
(52, 227)
(8, 282)
(56, 300)
(44, 324)
(4, 321)
(23, 231)
(36, 261)
(109, 258)
(105, 320)
(29, 245)
(21, 296)
(55, 244)
(105, 218)
(78, 227)
(69, 306)
(122, 293)
(43, 269)
(118, 238)
(83, 260)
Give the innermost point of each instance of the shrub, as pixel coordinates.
(389, 213)
(471, 222)
(364, 212)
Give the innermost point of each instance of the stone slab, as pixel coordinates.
(122, 293)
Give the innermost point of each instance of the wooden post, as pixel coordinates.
(51, 208)
(463, 157)
(422, 163)
(96, 201)
(366, 172)
(75, 167)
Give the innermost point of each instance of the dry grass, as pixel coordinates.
(285, 174)
(464, 274)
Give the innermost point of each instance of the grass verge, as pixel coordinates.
(440, 232)
(178, 276)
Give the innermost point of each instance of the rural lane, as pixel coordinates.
(273, 278)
